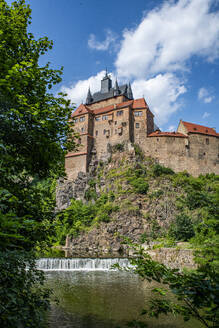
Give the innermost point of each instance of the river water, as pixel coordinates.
(97, 297)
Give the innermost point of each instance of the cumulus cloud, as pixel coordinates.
(167, 37)
(78, 91)
(205, 115)
(152, 54)
(104, 45)
(161, 93)
(204, 95)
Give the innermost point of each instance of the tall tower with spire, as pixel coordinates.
(106, 83)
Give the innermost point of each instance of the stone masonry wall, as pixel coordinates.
(192, 154)
(112, 131)
(74, 165)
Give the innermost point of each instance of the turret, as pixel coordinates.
(116, 89)
(129, 92)
(89, 97)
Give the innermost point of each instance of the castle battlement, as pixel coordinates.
(112, 117)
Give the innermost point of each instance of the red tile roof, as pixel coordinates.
(195, 128)
(112, 107)
(139, 103)
(82, 109)
(167, 134)
(136, 104)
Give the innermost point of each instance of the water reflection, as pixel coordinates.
(102, 300)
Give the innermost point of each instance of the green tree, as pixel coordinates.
(33, 137)
(195, 292)
(182, 229)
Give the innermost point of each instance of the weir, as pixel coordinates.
(80, 264)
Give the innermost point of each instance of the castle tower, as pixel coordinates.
(106, 84)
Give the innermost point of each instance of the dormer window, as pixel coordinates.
(138, 113)
(82, 119)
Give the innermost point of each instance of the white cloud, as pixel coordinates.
(204, 95)
(78, 91)
(161, 94)
(158, 48)
(205, 115)
(171, 128)
(104, 45)
(167, 37)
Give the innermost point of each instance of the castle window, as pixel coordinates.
(119, 113)
(106, 132)
(82, 119)
(96, 133)
(207, 141)
(115, 122)
(97, 118)
(137, 125)
(75, 120)
(115, 131)
(105, 117)
(82, 129)
(79, 141)
(157, 139)
(123, 123)
(138, 113)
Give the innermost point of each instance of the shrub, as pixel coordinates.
(196, 199)
(90, 194)
(182, 229)
(118, 147)
(159, 170)
(138, 152)
(140, 185)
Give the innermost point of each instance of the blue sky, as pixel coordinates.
(168, 50)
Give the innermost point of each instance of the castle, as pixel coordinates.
(112, 116)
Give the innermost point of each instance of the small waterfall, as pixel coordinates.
(80, 264)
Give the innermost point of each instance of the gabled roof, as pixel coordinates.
(167, 134)
(139, 103)
(82, 109)
(196, 128)
(135, 104)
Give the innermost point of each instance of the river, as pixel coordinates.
(90, 295)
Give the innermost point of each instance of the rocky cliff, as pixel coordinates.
(140, 200)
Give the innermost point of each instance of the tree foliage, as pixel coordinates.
(33, 137)
(195, 292)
